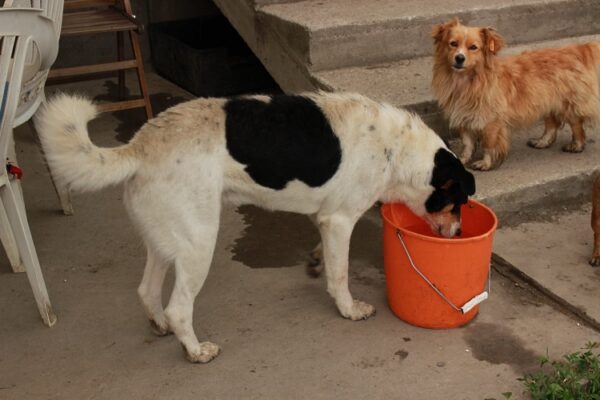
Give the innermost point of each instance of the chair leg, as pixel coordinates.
(135, 46)
(6, 234)
(121, 57)
(63, 194)
(15, 210)
(12, 156)
(9, 242)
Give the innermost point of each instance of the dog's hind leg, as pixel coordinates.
(595, 260)
(150, 291)
(192, 263)
(336, 231)
(185, 224)
(315, 264)
(578, 142)
(551, 127)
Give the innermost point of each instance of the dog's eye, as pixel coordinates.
(454, 43)
(473, 47)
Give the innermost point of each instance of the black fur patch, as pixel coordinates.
(288, 138)
(452, 182)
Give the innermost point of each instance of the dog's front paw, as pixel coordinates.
(595, 260)
(359, 310)
(482, 165)
(574, 147)
(539, 143)
(203, 353)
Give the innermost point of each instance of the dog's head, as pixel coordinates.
(453, 185)
(464, 48)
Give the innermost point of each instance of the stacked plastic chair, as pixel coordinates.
(29, 32)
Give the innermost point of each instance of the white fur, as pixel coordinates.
(80, 165)
(177, 172)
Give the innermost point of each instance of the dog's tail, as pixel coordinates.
(76, 163)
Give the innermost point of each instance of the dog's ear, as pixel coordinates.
(436, 201)
(492, 41)
(467, 183)
(439, 31)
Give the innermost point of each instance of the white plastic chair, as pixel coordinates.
(29, 45)
(35, 78)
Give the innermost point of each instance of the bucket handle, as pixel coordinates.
(468, 305)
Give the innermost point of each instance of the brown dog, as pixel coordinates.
(595, 260)
(484, 95)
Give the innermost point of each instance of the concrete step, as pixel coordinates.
(407, 83)
(532, 179)
(267, 43)
(553, 253)
(340, 33)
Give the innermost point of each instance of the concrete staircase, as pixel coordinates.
(382, 48)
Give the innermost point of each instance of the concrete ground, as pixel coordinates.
(554, 250)
(281, 335)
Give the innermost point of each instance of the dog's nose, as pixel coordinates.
(458, 232)
(460, 58)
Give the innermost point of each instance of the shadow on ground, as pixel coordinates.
(280, 239)
(496, 344)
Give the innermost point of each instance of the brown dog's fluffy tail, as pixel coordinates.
(77, 163)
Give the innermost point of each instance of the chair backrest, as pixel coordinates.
(36, 69)
(52, 9)
(29, 47)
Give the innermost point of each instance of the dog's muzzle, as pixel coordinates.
(459, 61)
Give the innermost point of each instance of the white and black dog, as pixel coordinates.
(330, 156)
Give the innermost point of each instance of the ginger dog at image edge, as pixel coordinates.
(485, 96)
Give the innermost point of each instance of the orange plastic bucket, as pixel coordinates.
(435, 282)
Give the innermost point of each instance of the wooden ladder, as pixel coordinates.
(86, 17)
